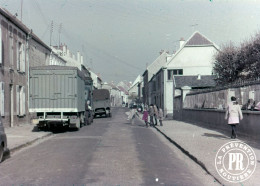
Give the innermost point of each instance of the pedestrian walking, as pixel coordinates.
(155, 114)
(160, 116)
(132, 115)
(233, 114)
(151, 114)
(145, 116)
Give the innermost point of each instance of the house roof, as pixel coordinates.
(113, 86)
(157, 65)
(196, 39)
(137, 80)
(122, 89)
(194, 82)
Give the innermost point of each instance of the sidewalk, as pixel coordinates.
(22, 136)
(202, 145)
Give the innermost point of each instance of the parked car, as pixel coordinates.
(3, 141)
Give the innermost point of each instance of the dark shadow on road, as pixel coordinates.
(7, 154)
(215, 136)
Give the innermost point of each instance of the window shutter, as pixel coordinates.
(17, 100)
(23, 59)
(1, 56)
(2, 87)
(23, 101)
(17, 55)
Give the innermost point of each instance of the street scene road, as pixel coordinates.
(111, 151)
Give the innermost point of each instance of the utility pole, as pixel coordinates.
(21, 10)
(51, 31)
(60, 32)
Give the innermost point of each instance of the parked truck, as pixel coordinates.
(101, 102)
(57, 96)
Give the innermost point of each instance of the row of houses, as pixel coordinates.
(21, 49)
(190, 67)
(118, 94)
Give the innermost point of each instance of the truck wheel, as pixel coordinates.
(1, 153)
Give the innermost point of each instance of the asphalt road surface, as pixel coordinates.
(111, 151)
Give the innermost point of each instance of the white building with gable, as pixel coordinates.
(195, 57)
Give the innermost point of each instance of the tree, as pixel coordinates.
(227, 67)
(238, 63)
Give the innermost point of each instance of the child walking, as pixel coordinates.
(145, 116)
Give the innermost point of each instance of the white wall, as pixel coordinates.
(193, 61)
(168, 97)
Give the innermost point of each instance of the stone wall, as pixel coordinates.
(249, 126)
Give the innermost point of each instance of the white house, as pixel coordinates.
(151, 70)
(195, 57)
(133, 90)
(70, 58)
(115, 94)
(97, 82)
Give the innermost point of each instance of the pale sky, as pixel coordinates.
(119, 37)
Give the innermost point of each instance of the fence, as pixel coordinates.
(219, 97)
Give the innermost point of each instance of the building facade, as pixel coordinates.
(151, 70)
(195, 57)
(13, 70)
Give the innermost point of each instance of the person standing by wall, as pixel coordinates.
(151, 114)
(233, 114)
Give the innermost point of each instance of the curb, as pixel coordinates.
(11, 151)
(200, 163)
(192, 157)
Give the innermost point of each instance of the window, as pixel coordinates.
(174, 72)
(2, 98)
(11, 53)
(20, 57)
(20, 100)
(1, 56)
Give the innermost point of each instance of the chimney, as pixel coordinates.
(64, 50)
(161, 52)
(182, 41)
(168, 57)
(78, 57)
(199, 77)
(81, 59)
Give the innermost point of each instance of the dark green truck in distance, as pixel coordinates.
(101, 103)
